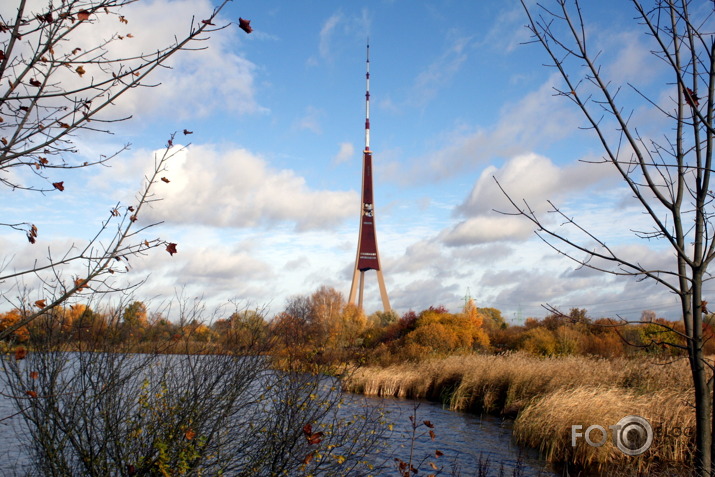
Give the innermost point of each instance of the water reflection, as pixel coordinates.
(467, 441)
(464, 439)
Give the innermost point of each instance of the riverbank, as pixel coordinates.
(547, 396)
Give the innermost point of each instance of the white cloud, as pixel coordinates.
(534, 120)
(529, 177)
(440, 72)
(197, 82)
(484, 229)
(346, 152)
(310, 120)
(234, 188)
(326, 34)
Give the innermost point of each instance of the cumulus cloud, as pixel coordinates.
(530, 177)
(219, 264)
(235, 188)
(523, 125)
(485, 229)
(346, 152)
(195, 84)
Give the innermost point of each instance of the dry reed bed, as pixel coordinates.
(549, 395)
(546, 424)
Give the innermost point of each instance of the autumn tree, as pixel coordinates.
(666, 166)
(57, 88)
(9, 319)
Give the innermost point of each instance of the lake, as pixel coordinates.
(470, 444)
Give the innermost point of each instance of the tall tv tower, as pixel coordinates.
(367, 257)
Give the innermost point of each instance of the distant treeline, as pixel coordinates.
(323, 328)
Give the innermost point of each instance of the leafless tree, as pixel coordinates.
(668, 174)
(93, 408)
(51, 92)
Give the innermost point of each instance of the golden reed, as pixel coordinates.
(549, 395)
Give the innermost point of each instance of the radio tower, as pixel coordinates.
(367, 257)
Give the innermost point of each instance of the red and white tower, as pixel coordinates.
(368, 258)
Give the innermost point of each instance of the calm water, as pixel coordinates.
(464, 439)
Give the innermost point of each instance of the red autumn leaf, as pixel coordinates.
(114, 212)
(35, 83)
(123, 20)
(31, 393)
(164, 179)
(704, 305)
(80, 283)
(47, 17)
(2, 55)
(428, 424)
(20, 353)
(76, 50)
(189, 434)
(63, 125)
(244, 25)
(32, 233)
(312, 437)
(434, 466)
(432, 435)
(130, 208)
(171, 248)
(308, 458)
(80, 70)
(129, 35)
(170, 142)
(207, 22)
(315, 438)
(43, 161)
(60, 186)
(438, 453)
(146, 242)
(691, 98)
(82, 15)
(34, 375)
(40, 304)
(186, 131)
(133, 218)
(4, 141)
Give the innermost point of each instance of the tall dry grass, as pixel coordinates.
(546, 424)
(549, 395)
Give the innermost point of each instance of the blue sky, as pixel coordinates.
(264, 202)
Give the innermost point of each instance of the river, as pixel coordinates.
(467, 441)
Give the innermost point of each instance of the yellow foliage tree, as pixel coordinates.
(9, 319)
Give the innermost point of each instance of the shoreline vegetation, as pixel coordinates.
(547, 395)
(548, 374)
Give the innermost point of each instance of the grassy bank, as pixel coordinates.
(549, 395)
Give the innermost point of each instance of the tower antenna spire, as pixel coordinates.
(367, 97)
